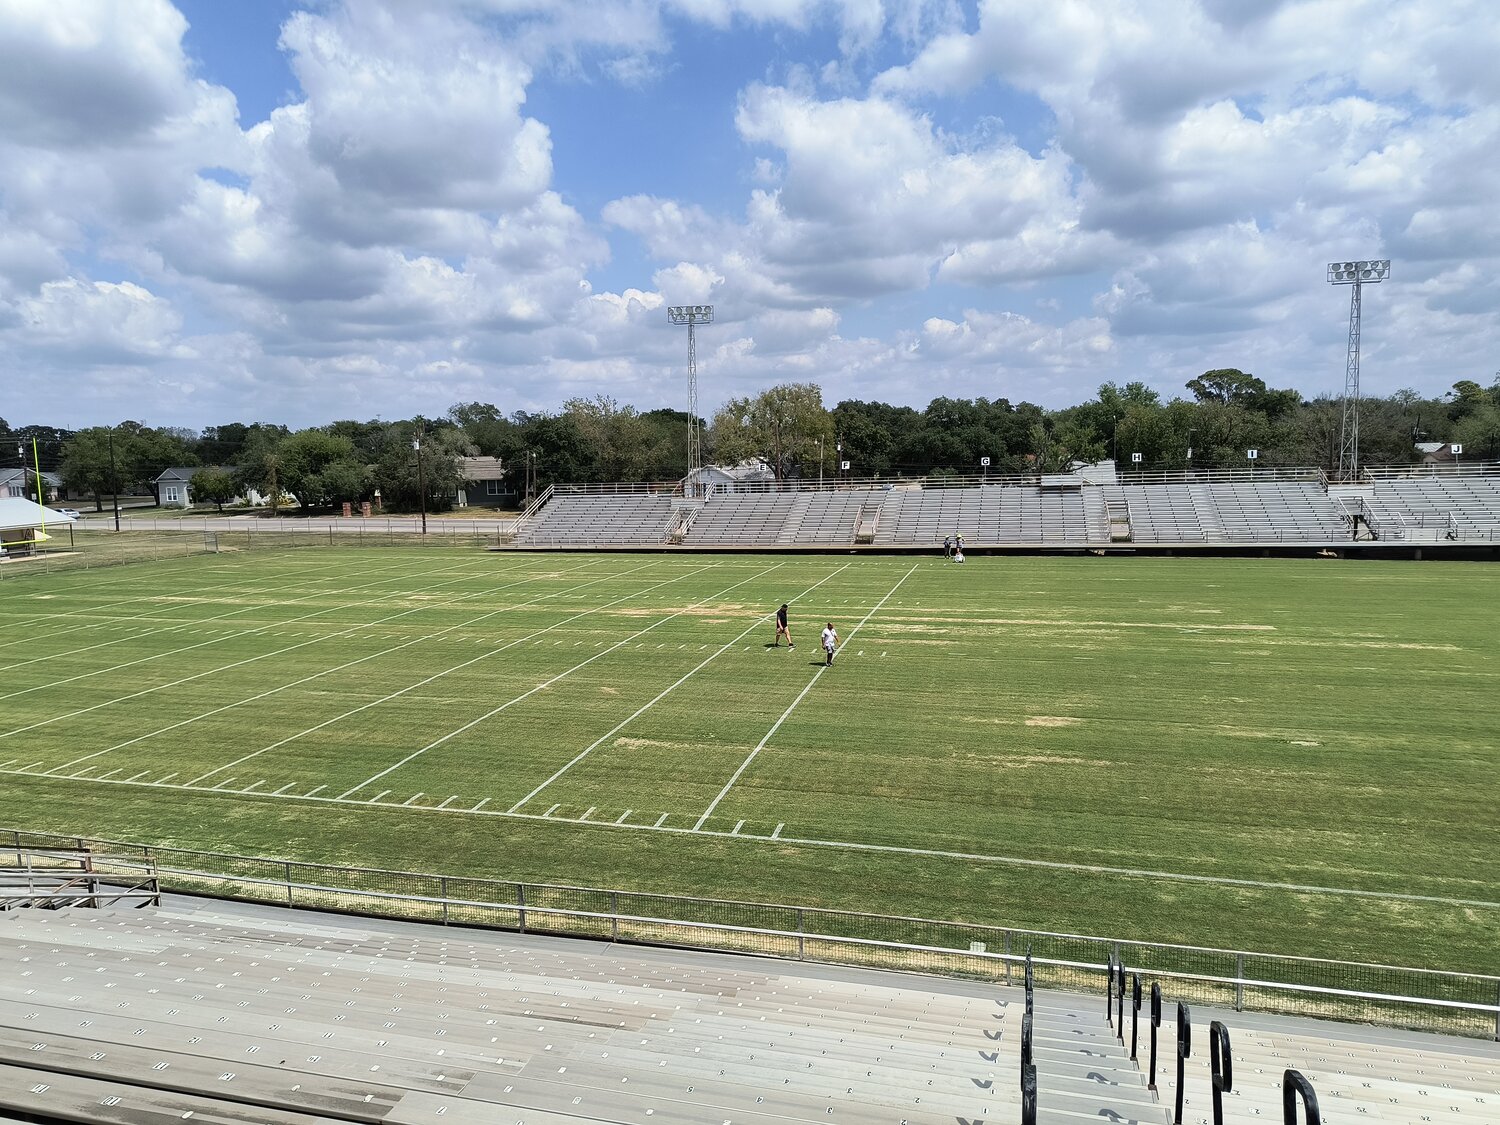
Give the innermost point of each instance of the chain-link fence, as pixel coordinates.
(1428, 1000)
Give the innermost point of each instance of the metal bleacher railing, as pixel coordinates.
(1433, 1000)
(54, 879)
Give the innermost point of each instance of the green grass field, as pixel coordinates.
(1210, 751)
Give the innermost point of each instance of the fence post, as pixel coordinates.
(614, 909)
(443, 891)
(286, 871)
(521, 901)
(801, 937)
(1239, 982)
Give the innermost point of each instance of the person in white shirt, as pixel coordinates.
(830, 643)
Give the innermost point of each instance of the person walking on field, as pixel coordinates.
(830, 643)
(947, 546)
(782, 630)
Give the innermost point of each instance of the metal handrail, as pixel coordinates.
(522, 909)
(149, 861)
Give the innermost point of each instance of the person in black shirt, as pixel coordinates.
(782, 629)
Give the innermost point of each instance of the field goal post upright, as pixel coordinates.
(692, 316)
(1356, 274)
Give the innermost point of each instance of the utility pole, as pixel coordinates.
(416, 443)
(114, 478)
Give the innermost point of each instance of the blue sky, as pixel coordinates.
(297, 212)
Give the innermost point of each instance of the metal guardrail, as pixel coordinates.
(1433, 1000)
(52, 879)
(1440, 470)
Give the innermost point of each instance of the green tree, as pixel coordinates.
(214, 485)
(781, 426)
(86, 465)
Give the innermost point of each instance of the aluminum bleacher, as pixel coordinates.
(742, 519)
(588, 518)
(219, 1011)
(1467, 507)
(1279, 506)
(826, 517)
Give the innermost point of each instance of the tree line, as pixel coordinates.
(787, 427)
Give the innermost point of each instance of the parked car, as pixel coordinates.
(71, 512)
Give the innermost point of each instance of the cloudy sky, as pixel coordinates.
(301, 211)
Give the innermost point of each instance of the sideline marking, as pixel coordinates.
(329, 671)
(561, 675)
(850, 845)
(759, 622)
(185, 679)
(420, 683)
(262, 630)
(802, 695)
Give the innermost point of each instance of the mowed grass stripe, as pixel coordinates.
(399, 576)
(758, 621)
(761, 745)
(394, 695)
(321, 672)
(542, 686)
(1092, 712)
(673, 760)
(187, 748)
(256, 632)
(61, 588)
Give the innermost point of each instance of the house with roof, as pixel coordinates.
(18, 482)
(482, 483)
(174, 487)
(730, 478)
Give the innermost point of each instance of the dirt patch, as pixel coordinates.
(1052, 721)
(683, 611)
(609, 691)
(1065, 623)
(655, 744)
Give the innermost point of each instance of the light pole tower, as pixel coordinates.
(692, 316)
(1356, 274)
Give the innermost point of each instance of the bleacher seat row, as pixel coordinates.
(1270, 511)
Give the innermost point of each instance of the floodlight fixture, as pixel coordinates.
(692, 316)
(1366, 271)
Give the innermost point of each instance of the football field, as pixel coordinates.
(1290, 755)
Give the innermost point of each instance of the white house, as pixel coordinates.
(730, 478)
(17, 482)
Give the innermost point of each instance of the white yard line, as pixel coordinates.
(600, 655)
(849, 845)
(446, 671)
(756, 624)
(91, 613)
(190, 626)
(800, 696)
(52, 684)
(337, 668)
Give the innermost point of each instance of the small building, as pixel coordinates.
(174, 487)
(19, 482)
(23, 523)
(482, 483)
(1435, 452)
(743, 477)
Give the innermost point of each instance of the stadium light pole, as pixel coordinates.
(1358, 274)
(692, 316)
